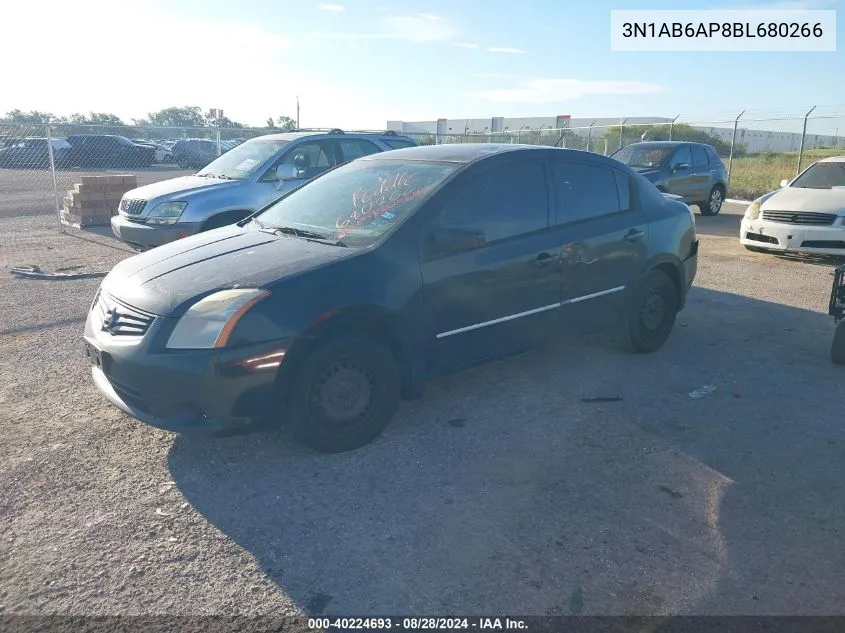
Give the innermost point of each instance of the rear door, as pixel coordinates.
(501, 294)
(681, 179)
(702, 172)
(605, 241)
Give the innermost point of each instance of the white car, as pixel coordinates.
(806, 215)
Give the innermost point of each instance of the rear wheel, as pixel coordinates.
(837, 349)
(714, 201)
(344, 395)
(651, 313)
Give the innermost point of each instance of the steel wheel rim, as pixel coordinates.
(653, 313)
(341, 397)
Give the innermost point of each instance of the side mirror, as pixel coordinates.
(451, 240)
(286, 172)
(784, 183)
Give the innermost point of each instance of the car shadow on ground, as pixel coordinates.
(722, 225)
(709, 482)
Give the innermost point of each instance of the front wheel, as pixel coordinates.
(837, 349)
(344, 395)
(714, 202)
(650, 314)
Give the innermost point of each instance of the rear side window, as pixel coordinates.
(699, 156)
(505, 201)
(588, 191)
(356, 148)
(714, 157)
(397, 143)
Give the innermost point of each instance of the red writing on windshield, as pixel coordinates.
(369, 204)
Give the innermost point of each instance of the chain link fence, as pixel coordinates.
(67, 180)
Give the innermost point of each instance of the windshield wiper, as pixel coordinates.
(311, 236)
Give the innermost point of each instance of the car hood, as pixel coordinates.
(184, 185)
(163, 279)
(814, 200)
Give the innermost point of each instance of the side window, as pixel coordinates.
(681, 156)
(310, 160)
(397, 143)
(505, 201)
(714, 157)
(356, 148)
(588, 191)
(699, 157)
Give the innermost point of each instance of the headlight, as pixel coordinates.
(210, 321)
(753, 210)
(166, 213)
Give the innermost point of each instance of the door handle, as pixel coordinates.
(633, 235)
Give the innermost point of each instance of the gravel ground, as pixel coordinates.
(499, 491)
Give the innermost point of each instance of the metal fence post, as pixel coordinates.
(218, 143)
(801, 147)
(733, 143)
(672, 126)
(621, 132)
(55, 182)
(590, 134)
(605, 147)
(538, 136)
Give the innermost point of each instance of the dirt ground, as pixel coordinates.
(501, 490)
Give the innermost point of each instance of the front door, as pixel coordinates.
(499, 290)
(605, 241)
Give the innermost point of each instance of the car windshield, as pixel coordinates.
(241, 162)
(643, 156)
(358, 203)
(822, 176)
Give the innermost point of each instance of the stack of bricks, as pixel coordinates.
(95, 200)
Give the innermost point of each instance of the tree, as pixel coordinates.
(32, 117)
(95, 118)
(270, 123)
(184, 116)
(661, 132)
(225, 122)
(286, 124)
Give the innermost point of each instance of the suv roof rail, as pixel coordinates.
(330, 130)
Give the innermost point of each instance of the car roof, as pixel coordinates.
(833, 159)
(472, 152)
(292, 136)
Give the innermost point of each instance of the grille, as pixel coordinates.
(791, 217)
(119, 319)
(132, 207)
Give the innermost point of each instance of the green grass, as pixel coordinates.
(752, 176)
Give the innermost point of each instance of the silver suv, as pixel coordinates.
(239, 183)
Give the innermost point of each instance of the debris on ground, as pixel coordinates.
(34, 272)
(701, 392)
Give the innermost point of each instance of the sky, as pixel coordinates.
(357, 64)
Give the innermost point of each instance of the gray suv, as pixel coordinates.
(692, 171)
(238, 183)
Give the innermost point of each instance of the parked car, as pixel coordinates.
(34, 152)
(325, 308)
(805, 215)
(236, 184)
(162, 153)
(108, 150)
(693, 171)
(194, 153)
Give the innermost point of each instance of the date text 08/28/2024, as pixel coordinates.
(418, 624)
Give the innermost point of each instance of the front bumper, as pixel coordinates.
(198, 392)
(822, 240)
(150, 235)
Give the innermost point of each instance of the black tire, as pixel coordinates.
(650, 314)
(377, 393)
(714, 202)
(837, 348)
